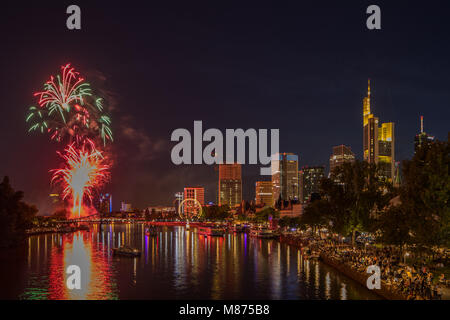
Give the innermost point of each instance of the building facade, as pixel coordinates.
(230, 184)
(105, 203)
(194, 193)
(341, 154)
(310, 179)
(263, 192)
(378, 141)
(421, 137)
(285, 176)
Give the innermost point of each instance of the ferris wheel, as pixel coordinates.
(189, 208)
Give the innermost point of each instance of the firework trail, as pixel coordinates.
(67, 107)
(85, 170)
(58, 96)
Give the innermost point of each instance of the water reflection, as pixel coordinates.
(176, 264)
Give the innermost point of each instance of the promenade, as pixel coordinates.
(399, 281)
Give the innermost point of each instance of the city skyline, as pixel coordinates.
(258, 75)
(202, 155)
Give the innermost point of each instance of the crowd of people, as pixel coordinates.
(416, 281)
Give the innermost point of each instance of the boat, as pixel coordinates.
(150, 232)
(127, 251)
(237, 228)
(210, 231)
(264, 233)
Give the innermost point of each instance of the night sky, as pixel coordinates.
(300, 66)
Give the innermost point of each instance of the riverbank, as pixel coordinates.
(65, 229)
(385, 292)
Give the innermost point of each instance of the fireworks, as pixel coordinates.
(68, 110)
(85, 170)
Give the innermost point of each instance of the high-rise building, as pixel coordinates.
(105, 203)
(340, 155)
(263, 192)
(421, 137)
(285, 176)
(378, 141)
(230, 184)
(125, 207)
(191, 207)
(310, 181)
(179, 197)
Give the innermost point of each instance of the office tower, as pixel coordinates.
(378, 141)
(340, 155)
(105, 203)
(421, 137)
(263, 192)
(125, 207)
(386, 150)
(230, 184)
(179, 197)
(310, 181)
(194, 193)
(285, 176)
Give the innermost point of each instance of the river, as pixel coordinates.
(175, 264)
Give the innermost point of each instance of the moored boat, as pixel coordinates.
(210, 231)
(237, 228)
(264, 233)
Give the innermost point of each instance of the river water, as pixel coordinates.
(176, 264)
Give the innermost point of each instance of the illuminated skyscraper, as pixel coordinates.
(230, 184)
(310, 181)
(105, 203)
(421, 137)
(340, 155)
(378, 142)
(263, 192)
(285, 176)
(196, 193)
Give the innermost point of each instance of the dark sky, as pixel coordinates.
(300, 66)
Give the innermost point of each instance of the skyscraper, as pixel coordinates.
(263, 192)
(105, 203)
(310, 181)
(340, 155)
(421, 137)
(197, 193)
(378, 142)
(285, 176)
(230, 184)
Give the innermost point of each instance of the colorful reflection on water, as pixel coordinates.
(175, 264)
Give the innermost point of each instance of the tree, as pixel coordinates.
(61, 213)
(394, 227)
(425, 194)
(15, 215)
(292, 222)
(263, 215)
(355, 192)
(317, 214)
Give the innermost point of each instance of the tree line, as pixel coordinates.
(15, 215)
(357, 198)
